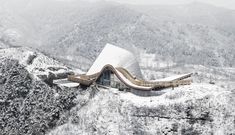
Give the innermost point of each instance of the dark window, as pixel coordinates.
(104, 78)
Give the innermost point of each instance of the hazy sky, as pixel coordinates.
(221, 3)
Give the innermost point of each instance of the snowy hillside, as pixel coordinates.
(28, 104)
(31, 106)
(186, 110)
(39, 65)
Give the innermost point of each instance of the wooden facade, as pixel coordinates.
(120, 78)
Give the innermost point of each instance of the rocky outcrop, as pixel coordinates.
(30, 106)
(196, 109)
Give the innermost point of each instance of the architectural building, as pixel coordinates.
(118, 68)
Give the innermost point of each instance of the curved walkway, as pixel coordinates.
(129, 80)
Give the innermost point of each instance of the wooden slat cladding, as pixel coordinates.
(139, 84)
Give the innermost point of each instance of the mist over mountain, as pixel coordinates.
(195, 13)
(76, 31)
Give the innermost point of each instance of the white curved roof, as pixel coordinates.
(117, 57)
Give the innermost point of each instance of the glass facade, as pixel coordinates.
(105, 78)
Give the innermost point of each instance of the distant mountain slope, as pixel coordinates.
(194, 13)
(180, 42)
(76, 31)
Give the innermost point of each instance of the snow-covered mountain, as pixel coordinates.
(30, 105)
(187, 110)
(193, 13)
(76, 31)
(167, 40)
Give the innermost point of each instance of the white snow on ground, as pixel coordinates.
(65, 83)
(179, 94)
(35, 62)
(116, 112)
(117, 57)
(171, 78)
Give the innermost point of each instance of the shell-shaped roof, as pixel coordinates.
(117, 57)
